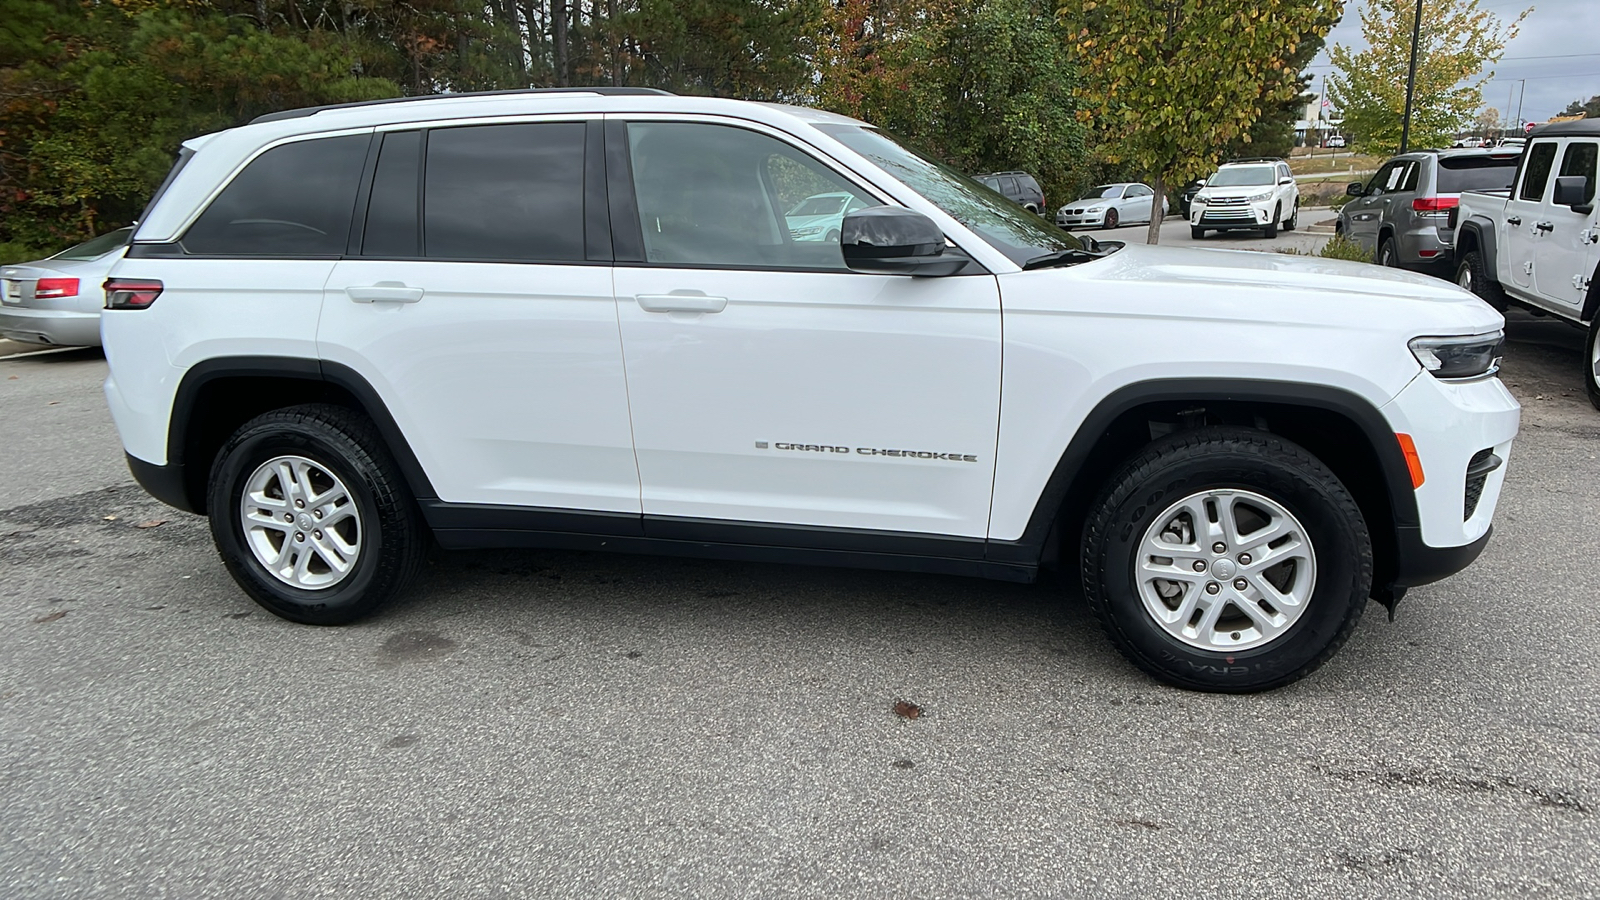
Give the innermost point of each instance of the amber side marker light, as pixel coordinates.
(1408, 448)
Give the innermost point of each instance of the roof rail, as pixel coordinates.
(1254, 159)
(605, 91)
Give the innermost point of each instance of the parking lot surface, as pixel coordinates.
(542, 724)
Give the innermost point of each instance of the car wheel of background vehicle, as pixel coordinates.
(1225, 559)
(1271, 230)
(1388, 256)
(1031, 208)
(1471, 275)
(1196, 233)
(1591, 355)
(1111, 218)
(1294, 217)
(832, 237)
(312, 517)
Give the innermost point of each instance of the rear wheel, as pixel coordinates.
(1225, 559)
(1591, 355)
(1388, 254)
(1294, 217)
(1111, 218)
(1471, 274)
(312, 517)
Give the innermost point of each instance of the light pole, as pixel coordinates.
(1411, 79)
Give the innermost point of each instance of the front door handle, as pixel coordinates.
(698, 303)
(384, 292)
(1513, 220)
(1544, 226)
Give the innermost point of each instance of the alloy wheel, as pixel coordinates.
(300, 522)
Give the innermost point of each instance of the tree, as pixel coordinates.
(1457, 40)
(1169, 83)
(1589, 110)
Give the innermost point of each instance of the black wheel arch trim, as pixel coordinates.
(1482, 231)
(1030, 547)
(299, 368)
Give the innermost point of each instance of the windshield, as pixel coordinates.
(97, 247)
(818, 206)
(1103, 192)
(1240, 176)
(1005, 226)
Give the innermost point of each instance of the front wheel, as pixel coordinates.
(1196, 232)
(1271, 230)
(1226, 559)
(312, 517)
(1591, 356)
(1111, 218)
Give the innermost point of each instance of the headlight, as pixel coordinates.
(1455, 358)
(1264, 195)
(1201, 198)
(802, 232)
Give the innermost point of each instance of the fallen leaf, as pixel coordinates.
(109, 518)
(905, 709)
(153, 523)
(53, 403)
(11, 378)
(50, 618)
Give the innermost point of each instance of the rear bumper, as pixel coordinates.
(57, 327)
(165, 483)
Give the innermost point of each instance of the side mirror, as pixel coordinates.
(1286, 180)
(889, 240)
(1355, 189)
(1573, 191)
(1201, 183)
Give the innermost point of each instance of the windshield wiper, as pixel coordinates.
(1072, 256)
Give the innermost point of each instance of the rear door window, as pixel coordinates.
(1580, 160)
(1541, 159)
(1009, 187)
(505, 192)
(294, 200)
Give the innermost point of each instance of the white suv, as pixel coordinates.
(578, 319)
(1246, 194)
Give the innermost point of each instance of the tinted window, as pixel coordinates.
(1580, 160)
(716, 195)
(293, 200)
(1408, 182)
(1139, 190)
(1540, 160)
(505, 192)
(1380, 182)
(1476, 173)
(392, 228)
(1008, 186)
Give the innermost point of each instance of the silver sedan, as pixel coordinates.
(1110, 205)
(57, 300)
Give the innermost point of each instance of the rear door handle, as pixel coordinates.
(698, 303)
(1513, 220)
(1544, 226)
(384, 292)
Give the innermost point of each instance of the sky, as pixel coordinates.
(1555, 51)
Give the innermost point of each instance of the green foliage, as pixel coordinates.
(1589, 110)
(1341, 247)
(986, 85)
(1171, 83)
(1456, 41)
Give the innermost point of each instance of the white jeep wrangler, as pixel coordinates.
(578, 319)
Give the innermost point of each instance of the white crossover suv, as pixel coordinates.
(1246, 194)
(581, 319)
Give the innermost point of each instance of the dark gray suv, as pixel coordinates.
(1018, 187)
(1400, 213)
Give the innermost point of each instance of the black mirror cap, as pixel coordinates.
(1573, 191)
(890, 240)
(1355, 189)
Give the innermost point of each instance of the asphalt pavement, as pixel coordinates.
(1315, 227)
(559, 724)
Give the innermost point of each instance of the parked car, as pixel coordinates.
(1470, 143)
(1516, 143)
(1232, 451)
(1018, 187)
(1110, 205)
(1400, 213)
(1186, 198)
(57, 300)
(818, 217)
(1250, 194)
(1335, 141)
(1536, 242)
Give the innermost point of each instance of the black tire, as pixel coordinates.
(1111, 218)
(1271, 230)
(345, 443)
(832, 237)
(1196, 233)
(1238, 458)
(1591, 362)
(1388, 254)
(1294, 217)
(1472, 274)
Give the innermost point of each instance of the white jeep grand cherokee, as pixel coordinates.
(578, 319)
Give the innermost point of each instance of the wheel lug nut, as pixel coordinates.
(317, 535)
(1244, 559)
(318, 514)
(1240, 584)
(288, 517)
(300, 536)
(1213, 587)
(299, 504)
(1199, 565)
(1219, 547)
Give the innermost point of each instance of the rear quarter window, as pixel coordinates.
(293, 200)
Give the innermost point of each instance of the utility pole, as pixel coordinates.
(1411, 79)
(1520, 94)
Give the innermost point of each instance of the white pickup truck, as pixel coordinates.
(1537, 245)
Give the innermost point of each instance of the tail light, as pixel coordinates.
(131, 293)
(1435, 204)
(55, 288)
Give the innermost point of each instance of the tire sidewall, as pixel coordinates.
(240, 458)
(1341, 582)
(1589, 376)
